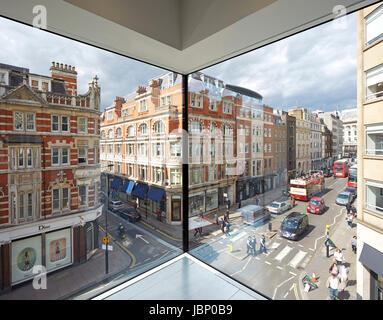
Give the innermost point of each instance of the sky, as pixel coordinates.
(315, 69)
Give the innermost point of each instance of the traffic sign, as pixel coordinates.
(106, 239)
(110, 248)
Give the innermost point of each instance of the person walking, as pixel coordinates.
(348, 208)
(338, 256)
(254, 245)
(226, 217)
(249, 244)
(227, 229)
(334, 270)
(333, 284)
(262, 244)
(223, 225)
(349, 218)
(343, 275)
(353, 244)
(200, 212)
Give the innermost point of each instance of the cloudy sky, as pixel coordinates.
(315, 69)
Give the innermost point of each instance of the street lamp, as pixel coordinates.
(106, 218)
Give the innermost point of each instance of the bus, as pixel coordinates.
(352, 176)
(304, 189)
(341, 168)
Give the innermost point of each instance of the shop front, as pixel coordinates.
(207, 200)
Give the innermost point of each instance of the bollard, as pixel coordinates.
(231, 247)
(270, 226)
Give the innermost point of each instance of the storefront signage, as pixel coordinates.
(44, 227)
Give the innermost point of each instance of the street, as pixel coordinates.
(277, 272)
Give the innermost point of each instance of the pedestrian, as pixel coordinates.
(227, 229)
(333, 285)
(353, 211)
(239, 204)
(338, 256)
(227, 215)
(254, 245)
(249, 244)
(349, 220)
(158, 213)
(228, 204)
(348, 208)
(293, 201)
(262, 244)
(201, 212)
(196, 231)
(216, 218)
(257, 200)
(200, 231)
(223, 225)
(334, 269)
(343, 275)
(353, 244)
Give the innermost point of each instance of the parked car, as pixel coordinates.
(352, 190)
(115, 205)
(253, 214)
(343, 198)
(130, 214)
(279, 206)
(294, 225)
(316, 205)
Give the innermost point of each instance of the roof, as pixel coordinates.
(244, 91)
(295, 215)
(316, 198)
(14, 68)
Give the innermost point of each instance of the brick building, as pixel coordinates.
(49, 171)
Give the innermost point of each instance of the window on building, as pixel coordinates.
(29, 204)
(65, 198)
(143, 106)
(81, 125)
(131, 131)
(119, 133)
(175, 149)
(374, 26)
(55, 156)
(110, 115)
(374, 140)
(175, 176)
(65, 156)
(82, 156)
(21, 158)
(143, 129)
(103, 134)
(374, 83)
(159, 127)
(82, 194)
(21, 206)
(195, 126)
(65, 124)
(18, 120)
(31, 126)
(56, 199)
(227, 107)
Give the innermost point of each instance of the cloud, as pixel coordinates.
(28, 47)
(314, 68)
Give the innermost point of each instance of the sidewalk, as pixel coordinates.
(62, 284)
(341, 236)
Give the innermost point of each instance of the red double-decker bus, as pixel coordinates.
(341, 168)
(304, 189)
(352, 176)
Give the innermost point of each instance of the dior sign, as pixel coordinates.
(44, 227)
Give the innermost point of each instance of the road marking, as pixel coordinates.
(142, 238)
(147, 259)
(292, 286)
(257, 258)
(244, 267)
(311, 249)
(283, 253)
(341, 212)
(275, 245)
(297, 258)
(285, 295)
(241, 235)
(216, 233)
(305, 262)
(281, 284)
(280, 268)
(158, 230)
(296, 292)
(292, 274)
(301, 245)
(269, 263)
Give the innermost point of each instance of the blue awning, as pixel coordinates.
(130, 188)
(116, 183)
(140, 190)
(155, 194)
(125, 186)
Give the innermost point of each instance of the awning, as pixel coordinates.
(155, 194)
(125, 186)
(116, 183)
(140, 190)
(130, 188)
(372, 259)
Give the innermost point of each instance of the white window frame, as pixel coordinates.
(28, 121)
(58, 123)
(31, 157)
(62, 123)
(85, 125)
(62, 155)
(14, 121)
(57, 200)
(86, 156)
(58, 156)
(85, 194)
(374, 16)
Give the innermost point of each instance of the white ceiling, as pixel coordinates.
(180, 35)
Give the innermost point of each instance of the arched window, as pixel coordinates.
(213, 128)
(131, 131)
(119, 133)
(102, 134)
(159, 127)
(110, 134)
(143, 129)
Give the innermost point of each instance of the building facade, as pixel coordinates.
(369, 272)
(350, 135)
(49, 171)
(316, 141)
(326, 145)
(280, 149)
(141, 137)
(290, 122)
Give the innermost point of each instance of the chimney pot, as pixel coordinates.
(70, 67)
(53, 63)
(73, 69)
(57, 65)
(66, 67)
(61, 66)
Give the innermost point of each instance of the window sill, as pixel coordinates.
(371, 101)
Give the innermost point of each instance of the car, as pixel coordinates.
(294, 225)
(279, 206)
(130, 214)
(253, 214)
(352, 190)
(343, 198)
(115, 205)
(316, 205)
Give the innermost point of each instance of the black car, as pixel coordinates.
(352, 190)
(294, 225)
(130, 214)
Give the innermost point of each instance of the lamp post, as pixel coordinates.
(106, 219)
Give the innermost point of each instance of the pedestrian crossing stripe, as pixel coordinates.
(285, 251)
(297, 258)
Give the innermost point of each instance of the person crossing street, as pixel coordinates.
(262, 244)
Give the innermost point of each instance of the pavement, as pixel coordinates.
(341, 235)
